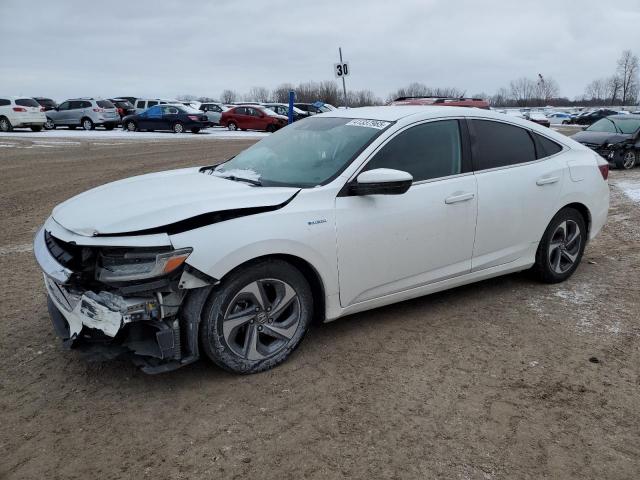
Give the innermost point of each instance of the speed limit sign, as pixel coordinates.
(341, 69)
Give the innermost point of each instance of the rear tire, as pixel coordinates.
(195, 130)
(87, 124)
(36, 128)
(628, 160)
(256, 317)
(5, 125)
(178, 127)
(562, 246)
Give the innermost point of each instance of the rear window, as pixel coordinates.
(27, 102)
(105, 104)
(4, 101)
(140, 104)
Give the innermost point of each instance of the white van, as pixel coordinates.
(142, 104)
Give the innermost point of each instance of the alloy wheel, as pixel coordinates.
(5, 126)
(564, 247)
(261, 319)
(131, 126)
(629, 160)
(178, 128)
(87, 124)
(49, 125)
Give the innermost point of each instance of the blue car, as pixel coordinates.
(177, 118)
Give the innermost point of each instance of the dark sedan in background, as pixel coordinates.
(616, 138)
(176, 118)
(588, 118)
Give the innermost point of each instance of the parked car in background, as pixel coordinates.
(334, 215)
(21, 112)
(283, 109)
(124, 107)
(538, 117)
(213, 111)
(587, 118)
(47, 103)
(131, 100)
(175, 117)
(87, 113)
(142, 104)
(442, 101)
(314, 108)
(514, 113)
(252, 117)
(615, 138)
(559, 118)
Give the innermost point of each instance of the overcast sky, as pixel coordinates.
(163, 49)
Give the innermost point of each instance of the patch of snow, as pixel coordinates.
(630, 189)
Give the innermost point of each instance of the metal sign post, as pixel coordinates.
(341, 70)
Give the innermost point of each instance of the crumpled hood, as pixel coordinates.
(600, 138)
(157, 199)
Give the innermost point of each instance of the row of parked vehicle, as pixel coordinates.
(148, 114)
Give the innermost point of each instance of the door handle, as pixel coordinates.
(546, 180)
(459, 197)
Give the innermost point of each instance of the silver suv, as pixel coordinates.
(83, 112)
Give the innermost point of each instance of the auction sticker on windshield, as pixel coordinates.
(361, 122)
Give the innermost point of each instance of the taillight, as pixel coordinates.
(42, 109)
(193, 117)
(99, 110)
(19, 109)
(604, 170)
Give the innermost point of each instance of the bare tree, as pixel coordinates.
(597, 90)
(228, 96)
(546, 89)
(614, 85)
(417, 89)
(627, 72)
(522, 91)
(257, 94)
(281, 93)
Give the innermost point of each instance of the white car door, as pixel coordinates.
(391, 243)
(519, 184)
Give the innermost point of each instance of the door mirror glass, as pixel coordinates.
(381, 181)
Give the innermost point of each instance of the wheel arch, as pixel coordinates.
(309, 272)
(583, 210)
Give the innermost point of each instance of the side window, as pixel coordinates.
(64, 106)
(496, 144)
(151, 104)
(140, 104)
(430, 150)
(4, 102)
(240, 111)
(154, 112)
(86, 104)
(546, 147)
(74, 105)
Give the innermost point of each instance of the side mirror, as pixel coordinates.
(381, 181)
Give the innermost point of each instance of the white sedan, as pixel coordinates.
(335, 214)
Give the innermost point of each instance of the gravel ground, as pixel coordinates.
(506, 378)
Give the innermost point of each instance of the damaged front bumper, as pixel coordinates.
(154, 323)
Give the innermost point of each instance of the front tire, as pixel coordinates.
(271, 128)
(87, 124)
(232, 126)
(628, 160)
(131, 126)
(49, 125)
(562, 246)
(256, 317)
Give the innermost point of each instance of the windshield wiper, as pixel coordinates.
(257, 183)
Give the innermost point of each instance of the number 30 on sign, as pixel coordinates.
(341, 69)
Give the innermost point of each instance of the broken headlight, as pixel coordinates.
(119, 265)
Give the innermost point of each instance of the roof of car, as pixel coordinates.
(625, 116)
(392, 113)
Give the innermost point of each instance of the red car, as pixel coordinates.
(252, 117)
(443, 102)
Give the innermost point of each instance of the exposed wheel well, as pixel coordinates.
(584, 211)
(309, 272)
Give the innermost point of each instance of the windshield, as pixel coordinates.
(618, 125)
(304, 154)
